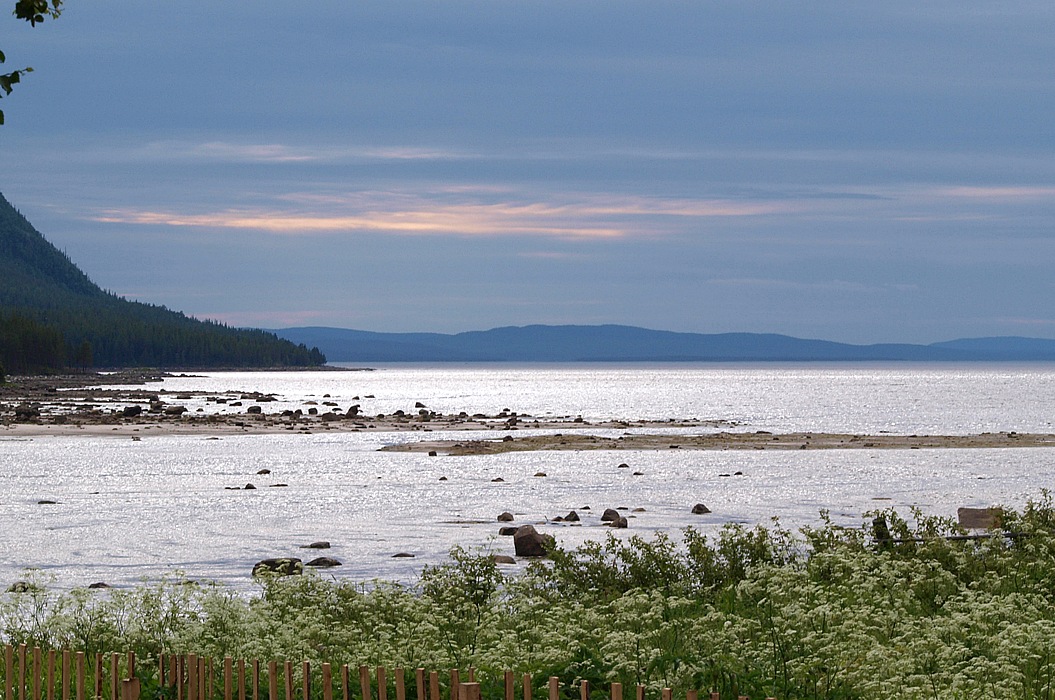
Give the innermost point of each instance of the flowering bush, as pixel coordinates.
(903, 607)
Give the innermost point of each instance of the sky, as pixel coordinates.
(859, 172)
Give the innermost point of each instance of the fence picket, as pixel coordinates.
(34, 673)
(434, 685)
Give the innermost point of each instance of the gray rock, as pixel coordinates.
(700, 509)
(279, 566)
(571, 517)
(403, 555)
(508, 531)
(504, 559)
(609, 515)
(529, 543)
(321, 544)
(619, 522)
(506, 517)
(323, 563)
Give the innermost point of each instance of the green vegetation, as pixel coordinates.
(53, 317)
(823, 613)
(34, 12)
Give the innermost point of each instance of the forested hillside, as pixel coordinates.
(53, 317)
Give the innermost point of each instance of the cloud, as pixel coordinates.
(583, 216)
(283, 153)
(999, 192)
(840, 286)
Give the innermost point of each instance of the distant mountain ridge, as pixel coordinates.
(614, 343)
(52, 316)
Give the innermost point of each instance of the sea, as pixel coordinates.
(133, 512)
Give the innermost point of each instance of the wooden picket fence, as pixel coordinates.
(37, 674)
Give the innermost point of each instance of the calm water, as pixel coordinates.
(133, 510)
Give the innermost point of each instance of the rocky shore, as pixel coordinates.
(76, 405)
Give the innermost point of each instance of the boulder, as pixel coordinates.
(700, 509)
(619, 522)
(506, 517)
(254, 410)
(131, 411)
(99, 584)
(323, 563)
(23, 587)
(403, 555)
(249, 487)
(316, 545)
(609, 515)
(26, 411)
(529, 543)
(508, 531)
(279, 566)
(571, 517)
(264, 471)
(504, 559)
(174, 410)
(979, 518)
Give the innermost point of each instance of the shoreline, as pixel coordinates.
(74, 405)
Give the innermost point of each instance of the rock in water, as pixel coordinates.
(529, 543)
(571, 517)
(610, 514)
(281, 566)
(700, 509)
(506, 517)
(323, 562)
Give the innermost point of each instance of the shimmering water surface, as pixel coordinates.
(128, 510)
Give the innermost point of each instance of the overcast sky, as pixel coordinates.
(861, 172)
